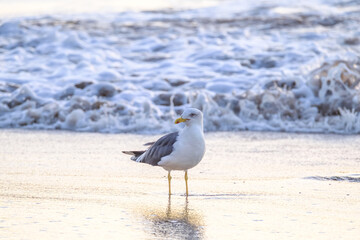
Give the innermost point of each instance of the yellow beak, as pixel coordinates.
(179, 120)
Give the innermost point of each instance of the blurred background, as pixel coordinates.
(36, 7)
(110, 66)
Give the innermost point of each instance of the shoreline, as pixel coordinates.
(153, 133)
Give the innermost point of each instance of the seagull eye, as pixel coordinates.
(192, 115)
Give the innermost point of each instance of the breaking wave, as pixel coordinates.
(282, 67)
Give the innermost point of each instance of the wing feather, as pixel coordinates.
(161, 148)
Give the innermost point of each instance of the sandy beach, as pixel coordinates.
(253, 185)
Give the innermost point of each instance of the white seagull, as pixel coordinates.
(180, 150)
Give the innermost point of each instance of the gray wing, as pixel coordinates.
(161, 148)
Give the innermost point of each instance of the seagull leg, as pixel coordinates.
(186, 179)
(169, 179)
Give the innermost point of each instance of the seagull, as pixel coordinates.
(179, 150)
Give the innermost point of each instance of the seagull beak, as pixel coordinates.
(179, 120)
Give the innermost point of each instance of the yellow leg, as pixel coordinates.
(169, 179)
(186, 178)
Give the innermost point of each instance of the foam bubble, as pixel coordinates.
(74, 120)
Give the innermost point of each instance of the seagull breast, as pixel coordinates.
(188, 150)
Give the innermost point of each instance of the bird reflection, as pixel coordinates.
(175, 223)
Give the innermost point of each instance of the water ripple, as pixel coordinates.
(336, 178)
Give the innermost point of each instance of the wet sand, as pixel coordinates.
(250, 185)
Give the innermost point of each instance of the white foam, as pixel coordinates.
(295, 68)
(74, 119)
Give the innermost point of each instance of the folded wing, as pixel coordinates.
(159, 149)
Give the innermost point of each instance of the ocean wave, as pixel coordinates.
(267, 68)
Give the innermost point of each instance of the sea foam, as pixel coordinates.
(284, 67)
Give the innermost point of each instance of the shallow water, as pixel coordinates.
(255, 185)
(282, 66)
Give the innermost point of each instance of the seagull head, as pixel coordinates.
(190, 116)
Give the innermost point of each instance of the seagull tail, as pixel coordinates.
(135, 154)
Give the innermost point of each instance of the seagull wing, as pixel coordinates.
(161, 148)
